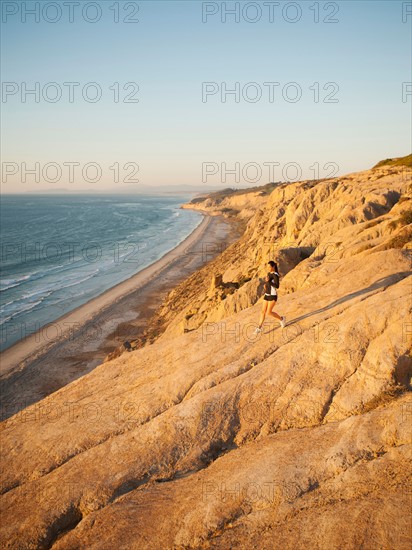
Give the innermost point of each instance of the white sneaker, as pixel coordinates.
(283, 322)
(258, 330)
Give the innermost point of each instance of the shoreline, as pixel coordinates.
(90, 308)
(80, 340)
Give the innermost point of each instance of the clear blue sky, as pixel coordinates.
(169, 53)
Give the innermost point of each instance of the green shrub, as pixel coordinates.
(229, 211)
(400, 161)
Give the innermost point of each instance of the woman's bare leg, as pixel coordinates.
(273, 313)
(262, 315)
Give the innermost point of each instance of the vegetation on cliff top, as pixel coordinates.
(266, 189)
(231, 192)
(400, 161)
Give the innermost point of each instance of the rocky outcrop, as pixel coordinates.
(294, 438)
(233, 203)
(303, 226)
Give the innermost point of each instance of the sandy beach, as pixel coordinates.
(77, 342)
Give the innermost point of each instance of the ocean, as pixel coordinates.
(58, 252)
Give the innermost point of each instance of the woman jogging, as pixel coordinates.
(270, 297)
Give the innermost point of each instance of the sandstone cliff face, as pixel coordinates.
(308, 228)
(230, 203)
(215, 437)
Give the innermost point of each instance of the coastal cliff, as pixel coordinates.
(210, 436)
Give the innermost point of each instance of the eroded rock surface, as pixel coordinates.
(218, 438)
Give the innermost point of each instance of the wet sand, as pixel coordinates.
(77, 342)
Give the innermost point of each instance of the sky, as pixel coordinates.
(319, 89)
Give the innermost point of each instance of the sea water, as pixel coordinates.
(58, 252)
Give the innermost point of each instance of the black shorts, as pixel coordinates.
(270, 298)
